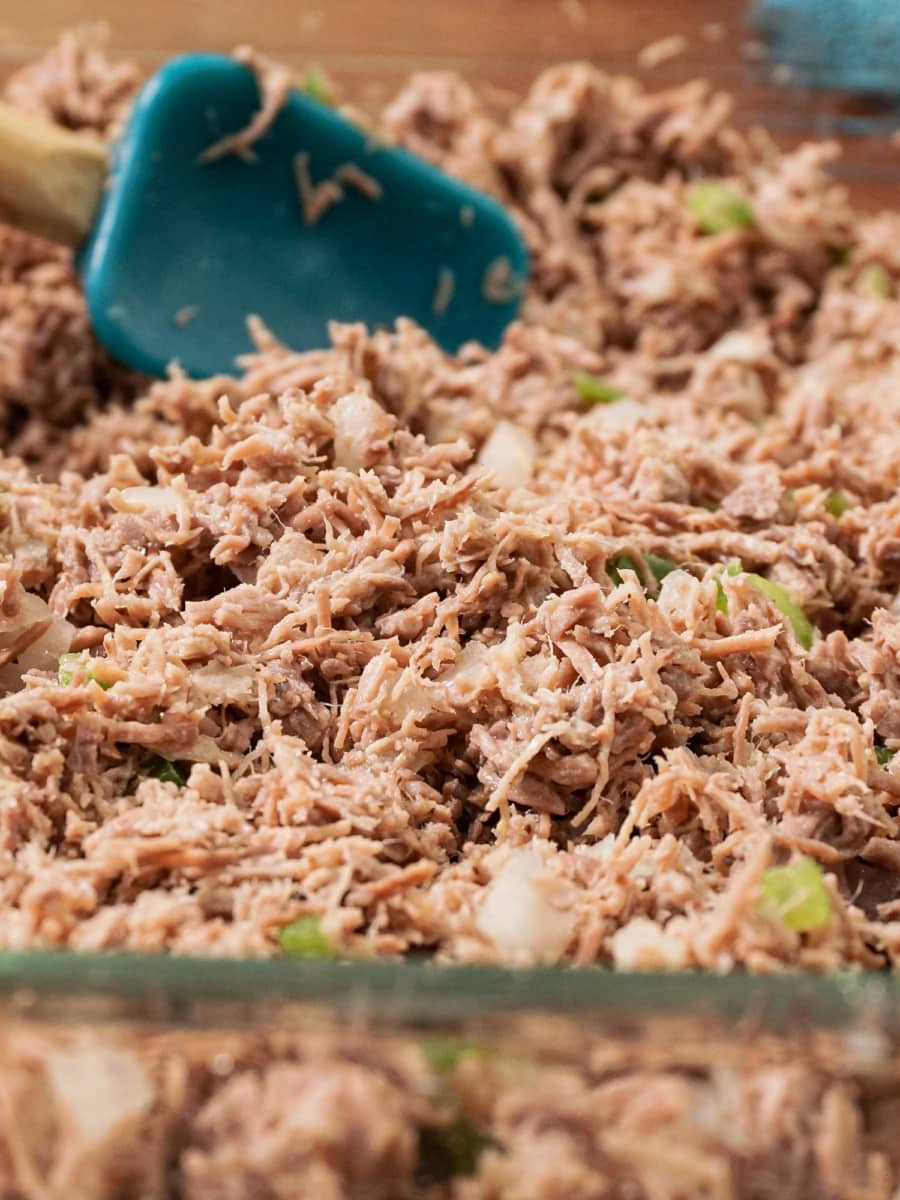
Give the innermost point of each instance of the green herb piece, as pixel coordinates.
(445, 1054)
(659, 568)
(71, 664)
(165, 771)
(883, 755)
(797, 896)
(876, 280)
(804, 630)
(839, 255)
(68, 665)
(716, 208)
(733, 567)
(721, 597)
(592, 389)
(451, 1150)
(836, 503)
(304, 938)
(624, 562)
(315, 84)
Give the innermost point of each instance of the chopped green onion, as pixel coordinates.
(165, 771)
(883, 755)
(68, 665)
(836, 503)
(875, 279)
(804, 630)
(661, 567)
(797, 896)
(304, 938)
(71, 664)
(658, 567)
(624, 562)
(721, 597)
(716, 208)
(444, 1054)
(315, 84)
(592, 389)
(733, 567)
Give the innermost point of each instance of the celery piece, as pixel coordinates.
(445, 1053)
(804, 630)
(797, 896)
(836, 503)
(71, 664)
(717, 208)
(315, 84)
(659, 568)
(876, 280)
(592, 389)
(721, 598)
(304, 938)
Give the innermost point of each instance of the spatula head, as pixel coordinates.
(183, 251)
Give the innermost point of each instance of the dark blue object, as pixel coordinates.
(183, 251)
(845, 45)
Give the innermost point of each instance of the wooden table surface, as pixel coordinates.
(369, 45)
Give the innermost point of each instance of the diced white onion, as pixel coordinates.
(411, 697)
(100, 1088)
(166, 501)
(43, 653)
(621, 414)
(470, 674)
(359, 425)
(742, 347)
(656, 285)
(205, 749)
(222, 685)
(518, 917)
(642, 945)
(509, 453)
(677, 599)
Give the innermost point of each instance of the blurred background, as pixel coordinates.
(370, 45)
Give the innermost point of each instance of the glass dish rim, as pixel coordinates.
(167, 987)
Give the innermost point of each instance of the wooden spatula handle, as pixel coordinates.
(50, 179)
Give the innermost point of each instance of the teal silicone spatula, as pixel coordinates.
(320, 222)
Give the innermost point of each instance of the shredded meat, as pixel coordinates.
(441, 653)
(274, 82)
(376, 603)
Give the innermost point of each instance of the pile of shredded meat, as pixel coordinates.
(567, 652)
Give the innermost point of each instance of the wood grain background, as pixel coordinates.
(369, 45)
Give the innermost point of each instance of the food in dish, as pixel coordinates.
(586, 650)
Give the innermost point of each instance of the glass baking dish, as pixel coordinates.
(158, 1073)
(118, 1035)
